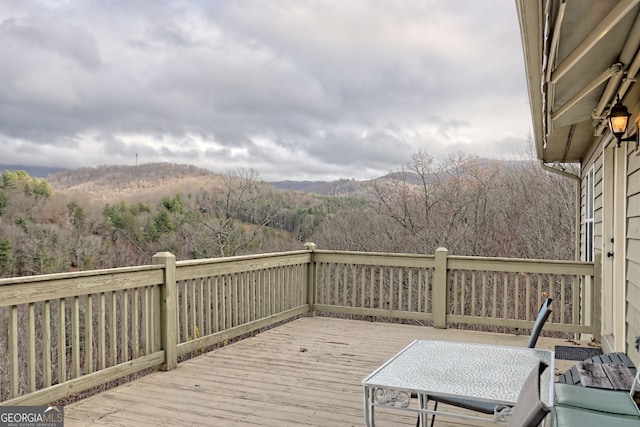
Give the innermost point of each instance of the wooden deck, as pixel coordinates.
(305, 373)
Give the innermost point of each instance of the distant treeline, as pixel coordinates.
(118, 216)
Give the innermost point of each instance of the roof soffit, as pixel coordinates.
(568, 103)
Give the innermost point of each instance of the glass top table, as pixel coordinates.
(476, 371)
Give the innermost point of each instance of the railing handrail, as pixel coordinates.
(33, 289)
(522, 264)
(74, 275)
(236, 258)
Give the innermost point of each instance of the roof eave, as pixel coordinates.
(531, 18)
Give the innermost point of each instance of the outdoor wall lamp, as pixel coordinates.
(618, 121)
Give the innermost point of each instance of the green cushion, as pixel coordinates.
(615, 402)
(566, 416)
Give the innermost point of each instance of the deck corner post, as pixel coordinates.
(597, 297)
(311, 278)
(440, 298)
(168, 310)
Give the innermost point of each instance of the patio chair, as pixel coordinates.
(530, 410)
(586, 406)
(543, 315)
(486, 407)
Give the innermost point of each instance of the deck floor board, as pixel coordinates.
(304, 373)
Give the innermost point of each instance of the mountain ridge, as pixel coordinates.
(127, 180)
(34, 171)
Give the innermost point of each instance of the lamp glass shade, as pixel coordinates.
(618, 124)
(618, 118)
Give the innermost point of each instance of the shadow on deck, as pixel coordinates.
(305, 373)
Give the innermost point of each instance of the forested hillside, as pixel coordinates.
(114, 216)
(470, 206)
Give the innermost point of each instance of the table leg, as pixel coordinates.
(423, 400)
(368, 407)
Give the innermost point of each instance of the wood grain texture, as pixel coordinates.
(304, 373)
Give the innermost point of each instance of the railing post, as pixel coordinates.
(311, 278)
(168, 310)
(440, 297)
(596, 310)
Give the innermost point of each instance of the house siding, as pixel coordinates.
(632, 297)
(598, 202)
(596, 162)
(632, 233)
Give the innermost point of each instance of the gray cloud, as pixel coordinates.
(297, 90)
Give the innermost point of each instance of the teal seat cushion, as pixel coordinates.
(566, 416)
(615, 402)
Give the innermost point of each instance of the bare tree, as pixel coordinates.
(239, 211)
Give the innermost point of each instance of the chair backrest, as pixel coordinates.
(530, 410)
(543, 315)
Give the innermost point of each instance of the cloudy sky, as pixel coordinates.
(297, 89)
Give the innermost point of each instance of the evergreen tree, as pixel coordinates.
(6, 258)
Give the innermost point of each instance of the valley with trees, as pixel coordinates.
(118, 216)
(114, 216)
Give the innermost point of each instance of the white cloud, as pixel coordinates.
(297, 90)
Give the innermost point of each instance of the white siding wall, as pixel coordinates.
(633, 255)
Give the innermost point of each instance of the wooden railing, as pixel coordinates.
(65, 333)
(441, 290)
(62, 334)
(220, 299)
